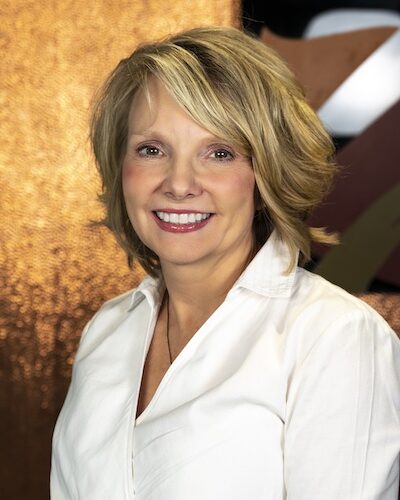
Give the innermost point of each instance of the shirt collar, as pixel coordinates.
(150, 288)
(264, 275)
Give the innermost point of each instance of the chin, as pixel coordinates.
(179, 259)
(182, 257)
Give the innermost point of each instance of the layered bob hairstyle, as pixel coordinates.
(237, 88)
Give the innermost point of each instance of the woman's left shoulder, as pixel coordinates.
(321, 302)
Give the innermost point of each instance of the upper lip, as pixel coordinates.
(181, 211)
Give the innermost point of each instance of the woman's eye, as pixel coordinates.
(148, 150)
(222, 154)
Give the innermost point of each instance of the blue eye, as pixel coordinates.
(148, 150)
(223, 154)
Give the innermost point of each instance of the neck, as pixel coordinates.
(196, 291)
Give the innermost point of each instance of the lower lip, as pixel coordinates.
(181, 228)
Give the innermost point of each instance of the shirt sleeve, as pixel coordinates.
(342, 425)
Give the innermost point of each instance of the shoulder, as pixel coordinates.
(324, 312)
(336, 337)
(128, 300)
(116, 305)
(120, 302)
(110, 314)
(315, 292)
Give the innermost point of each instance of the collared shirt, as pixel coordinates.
(290, 390)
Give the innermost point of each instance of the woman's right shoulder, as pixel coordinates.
(126, 300)
(120, 301)
(109, 315)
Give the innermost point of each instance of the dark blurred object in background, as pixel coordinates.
(289, 18)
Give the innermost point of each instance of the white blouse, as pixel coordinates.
(290, 390)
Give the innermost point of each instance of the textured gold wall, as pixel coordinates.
(54, 271)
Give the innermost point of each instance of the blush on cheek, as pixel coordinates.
(127, 171)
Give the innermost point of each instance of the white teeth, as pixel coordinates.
(182, 218)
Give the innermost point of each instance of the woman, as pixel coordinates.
(230, 372)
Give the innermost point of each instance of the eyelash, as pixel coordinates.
(232, 156)
(150, 146)
(146, 146)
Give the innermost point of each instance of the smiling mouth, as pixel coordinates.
(182, 218)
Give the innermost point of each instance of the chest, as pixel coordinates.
(157, 363)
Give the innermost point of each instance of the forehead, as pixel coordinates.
(154, 107)
(152, 102)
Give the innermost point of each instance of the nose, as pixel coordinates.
(181, 180)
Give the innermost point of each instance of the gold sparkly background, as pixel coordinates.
(55, 272)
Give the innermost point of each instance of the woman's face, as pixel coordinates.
(178, 169)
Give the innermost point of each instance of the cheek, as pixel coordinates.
(129, 185)
(240, 189)
(128, 172)
(134, 175)
(131, 180)
(138, 185)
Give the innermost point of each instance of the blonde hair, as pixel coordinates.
(236, 87)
